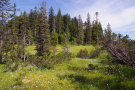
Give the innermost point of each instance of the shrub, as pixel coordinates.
(83, 53)
(92, 67)
(51, 61)
(120, 47)
(94, 53)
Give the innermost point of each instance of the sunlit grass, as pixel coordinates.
(71, 75)
(73, 49)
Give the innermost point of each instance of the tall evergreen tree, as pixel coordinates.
(88, 31)
(94, 32)
(54, 38)
(33, 22)
(5, 14)
(100, 33)
(80, 37)
(51, 19)
(24, 29)
(66, 39)
(66, 21)
(97, 31)
(59, 26)
(13, 34)
(73, 31)
(43, 35)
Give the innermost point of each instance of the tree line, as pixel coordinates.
(46, 31)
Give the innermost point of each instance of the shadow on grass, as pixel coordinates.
(100, 83)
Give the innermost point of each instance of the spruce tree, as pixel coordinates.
(73, 31)
(100, 33)
(33, 23)
(43, 34)
(5, 12)
(51, 19)
(59, 26)
(80, 36)
(24, 30)
(13, 35)
(66, 21)
(66, 39)
(54, 38)
(97, 31)
(88, 32)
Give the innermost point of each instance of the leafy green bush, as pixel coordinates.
(106, 58)
(51, 61)
(92, 67)
(94, 53)
(83, 53)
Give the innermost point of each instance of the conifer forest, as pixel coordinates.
(47, 50)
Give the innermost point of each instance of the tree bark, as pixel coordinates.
(24, 57)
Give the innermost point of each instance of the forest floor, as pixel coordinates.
(74, 74)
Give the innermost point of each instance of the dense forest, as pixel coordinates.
(46, 31)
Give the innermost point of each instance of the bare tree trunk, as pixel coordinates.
(1, 42)
(24, 57)
(13, 52)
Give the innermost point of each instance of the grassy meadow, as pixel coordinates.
(76, 74)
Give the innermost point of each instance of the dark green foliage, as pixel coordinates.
(73, 31)
(88, 31)
(120, 47)
(5, 14)
(54, 41)
(59, 26)
(54, 36)
(51, 61)
(33, 23)
(43, 37)
(66, 40)
(97, 32)
(80, 33)
(66, 21)
(51, 20)
(24, 30)
(59, 23)
(94, 53)
(83, 54)
(92, 67)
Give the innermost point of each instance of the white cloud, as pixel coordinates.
(115, 12)
(119, 13)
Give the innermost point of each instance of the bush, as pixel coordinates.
(83, 54)
(51, 61)
(94, 53)
(92, 67)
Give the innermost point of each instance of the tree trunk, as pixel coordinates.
(13, 52)
(54, 50)
(1, 41)
(24, 57)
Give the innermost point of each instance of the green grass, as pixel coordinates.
(70, 75)
(73, 49)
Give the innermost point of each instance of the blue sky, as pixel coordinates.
(119, 13)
